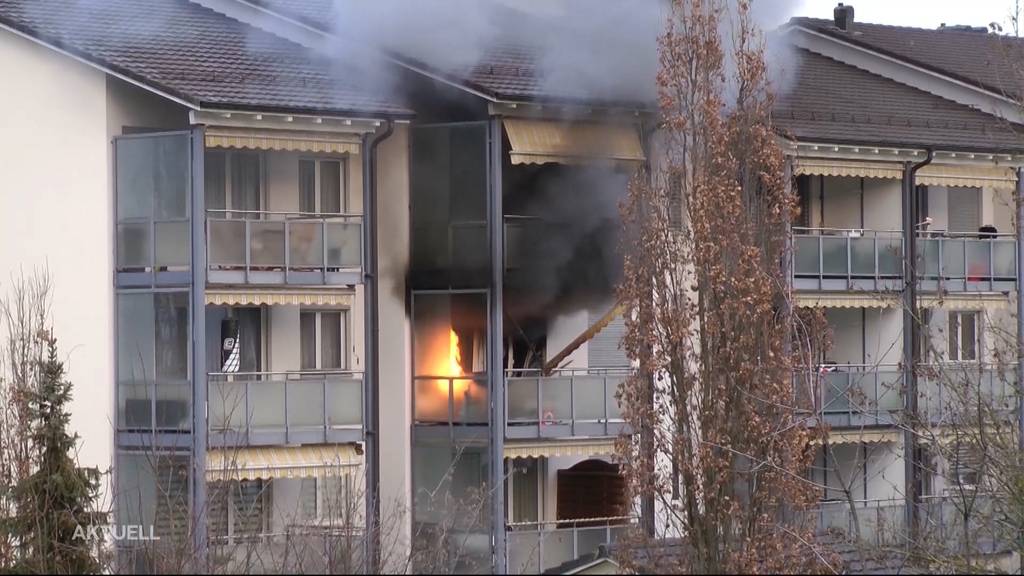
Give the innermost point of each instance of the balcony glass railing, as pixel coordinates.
(841, 259)
(534, 547)
(853, 394)
(451, 400)
(246, 247)
(569, 402)
(284, 407)
(953, 391)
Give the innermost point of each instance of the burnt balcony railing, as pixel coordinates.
(269, 408)
(283, 248)
(868, 260)
(847, 395)
(534, 547)
(564, 403)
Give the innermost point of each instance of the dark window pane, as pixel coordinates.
(969, 336)
(245, 183)
(330, 187)
(173, 390)
(307, 186)
(307, 340)
(330, 343)
(215, 177)
(250, 334)
(135, 345)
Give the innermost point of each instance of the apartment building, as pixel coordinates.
(309, 317)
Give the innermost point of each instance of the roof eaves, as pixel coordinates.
(100, 64)
(345, 112)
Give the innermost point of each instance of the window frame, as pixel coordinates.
(228, 155)
(955, 336)
(345, 334)
(343, 187)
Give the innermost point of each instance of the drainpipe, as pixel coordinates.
(911, 336)
(1020, 324)
(371, 356)
(495, 360)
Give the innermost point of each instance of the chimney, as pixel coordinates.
(843, 16)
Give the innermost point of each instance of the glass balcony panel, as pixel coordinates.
(227, 406)
(979, 267)
(305, 244)
(431, 399)
(344, 244)
(266, 244)
(557, 547)
(927, 257)
(133, 245)
(173, 399)
(267, 402)
(344, 401)
(227, 243)
(524, 552)
(589, 539)
(522, 399)
(471, 403)
(555, 397)
(1004, 258)
(889, 397)
(860, 395)
(589, 396)
(172, 244)
(836, 393)
(834, 258)
(806, 262)
(862, 252)
(952, 259)
(612, 388)
(306, 403)
(890, 256)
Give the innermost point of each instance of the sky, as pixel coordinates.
(918, 13)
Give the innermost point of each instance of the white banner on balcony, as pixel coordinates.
(321, 461)
(552, 448)
(331, 298)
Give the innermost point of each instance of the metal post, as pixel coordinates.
(496, 353)
(1020, 311)
(198, 313)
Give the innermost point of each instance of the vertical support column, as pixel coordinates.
(198, 313)
(910, 349)
(495, 361)
(1020, 308)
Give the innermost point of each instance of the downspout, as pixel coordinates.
(371, 356)
(911, 335)
(496, 218)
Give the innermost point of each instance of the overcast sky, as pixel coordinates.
(917, 13)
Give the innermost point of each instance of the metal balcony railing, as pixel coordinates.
(269, 408)
(564, 403)
(869, 260)
(534, 547)
(847, 395)
(283, 248)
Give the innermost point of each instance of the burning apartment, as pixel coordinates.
(329, 296)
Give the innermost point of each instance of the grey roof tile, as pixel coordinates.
(198, 55)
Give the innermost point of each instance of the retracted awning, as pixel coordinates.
(962, 175)
(321, 461)
(966, 301)
(333, 298)
(291, 141)
(861, 436)
(541, 141)
(552, 448)
(846, 300)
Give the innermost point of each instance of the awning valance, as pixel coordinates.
(963, 175)
(861, 436)
(292, 141)
(541, 141)
(846, 300)
(551, 448)
(966, 301)
(321, 461)
(333, 298)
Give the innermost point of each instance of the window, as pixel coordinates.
(526, 500)
(963, 337)
(234, 182)
(238, 508)
(323, 339)
(329, 499)
(967, 468)
(322, 186)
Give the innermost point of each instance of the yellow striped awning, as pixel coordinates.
(282, 462)
(551, 448)
(966, 301)
(332, 298)
(846, 300)
(286, 140)
(540, 141)
(862, 436)
(962, 175)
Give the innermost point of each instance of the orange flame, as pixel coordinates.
(453, 367)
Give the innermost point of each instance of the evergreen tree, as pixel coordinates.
(55, 503)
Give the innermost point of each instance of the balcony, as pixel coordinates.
(283, 248)
(565, 403)
(866, 260)
(853, 395)
(534, 547)
(952, 392)
(271, 408)
(300, 549)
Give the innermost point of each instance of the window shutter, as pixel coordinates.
(605, 349)
(964, 208)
